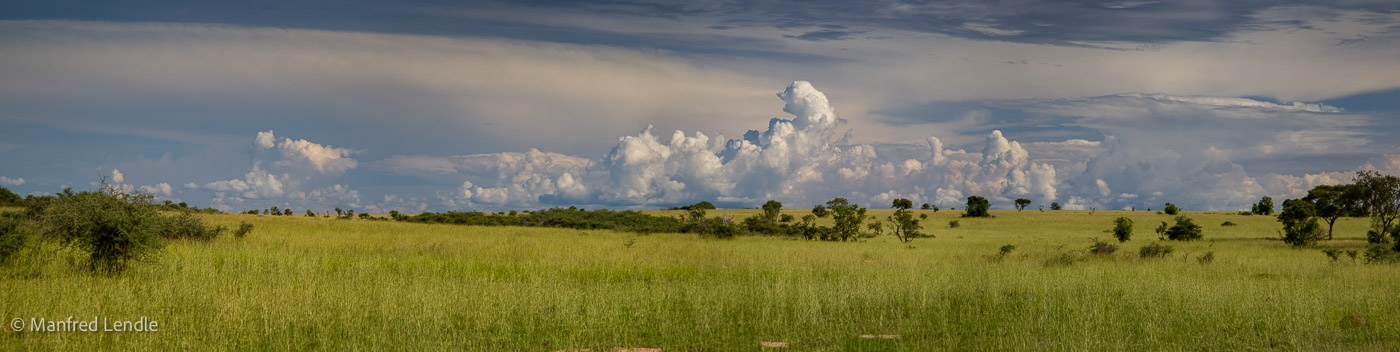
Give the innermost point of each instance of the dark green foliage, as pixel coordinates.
(364, 215)
(1227, 223)
(394, 214)
(1006, 250)
(926, 207)
(772, 209)
(1055, 206)
(9, 198)
(1381, 196)
(977, 207)
(187, 227)
(847, 216)
(288, 212)
(761, 224)
(1102, 248)
(1335, 201)
(339, 212)
(1123, 229)
(1154, 251)
(13, 236)
(112, 227)
(1184, 230)
(1299, 220)
(1208, 258)
(629, 221)
(1380, 254)
(244, 228)
(1264, 207)
(1021, 203)
(252, 212)
(906, 227)
(953, 224)
(1162, 230)
(1332, 253)
(1171, 209)
(704, 205)
(820, 211)
(310, 214)
(785, 218)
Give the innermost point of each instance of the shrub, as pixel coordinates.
(1123, 229)
(1227, 223)
(244, 228)
(12, 237)
(1102, 248)
(1006, 250)
(953, 224)
(1332, 253)
(187, 227)
(1300, 227)
(1171, 209)
(1154, 251)
(112, 227)
(1207, 258)
(977, 207)
(1055, 206)
(1245, 213)
(1184, 230)
(1379, 254)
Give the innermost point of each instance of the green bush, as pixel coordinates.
(1184, 230)
(187, 227)
(1171, 209)
(1123, 229)
(12, 236)
(112, 227)
(1380, 254)
(977, 207)
(244, 228)
(1154, 251)
(1102, 248)
(953, 224)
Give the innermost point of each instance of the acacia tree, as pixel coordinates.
(847, 216)
(1381, 195)
(1123, 229)
(772, 209)
(906, 227)
(1055, 206)
(1299, 220)
(1021, 203)
(1265, 206)
(1333, 202)
(977, 207)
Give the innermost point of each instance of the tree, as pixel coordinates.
(1123, 229)
(1162, 230)
(1055, 206)
(926, 207)
(847, 216)
(977, 207)
(8, 198)
(1299, 219)
(288, 212)
(309, 213)
(906, 227)
(275, 211)
(1333, 202)
(772, 209)
(1171, 209)
(1184, 230)
(1265, 206)
(1381, 195)
(819, 210)
(339, 212)
(1021, 203)
(111, 226)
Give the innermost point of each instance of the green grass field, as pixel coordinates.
(302, 283)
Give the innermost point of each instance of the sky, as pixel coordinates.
(478, 105)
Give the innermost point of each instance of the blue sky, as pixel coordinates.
(433, 105)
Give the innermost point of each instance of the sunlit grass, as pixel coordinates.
(318, 283)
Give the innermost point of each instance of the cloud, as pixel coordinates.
(161, 189)
(117, 176)
(6, 181)
(800, 160)
(256, 184)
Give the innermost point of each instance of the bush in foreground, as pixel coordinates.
(1154, 251)
(112, 227)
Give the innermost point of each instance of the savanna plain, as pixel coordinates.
(315, 283)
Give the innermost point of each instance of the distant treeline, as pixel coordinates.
(571, 217)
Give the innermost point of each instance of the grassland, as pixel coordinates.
(302, 283)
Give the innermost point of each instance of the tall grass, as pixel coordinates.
(314, 283)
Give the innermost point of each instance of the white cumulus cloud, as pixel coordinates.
(6, 181)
